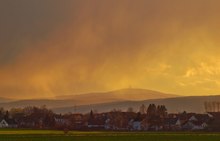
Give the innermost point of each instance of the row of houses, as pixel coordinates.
(124, 121)
(172, 122)
(121, 121)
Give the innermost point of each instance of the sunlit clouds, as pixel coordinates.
(50, 48)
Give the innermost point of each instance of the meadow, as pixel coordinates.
(50, 135)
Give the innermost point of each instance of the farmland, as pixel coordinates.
(50, 135)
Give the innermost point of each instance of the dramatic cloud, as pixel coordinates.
(53, 47)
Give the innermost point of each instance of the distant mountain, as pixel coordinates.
(120, 99)
(115, 96)
(179, 104)
(38, 102)
(3, 99)
(90, 98)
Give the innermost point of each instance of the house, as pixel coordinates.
(77, 121)
(61, 121)
(4, 124)
(107, 125)
(194, 125)
(197, 122)
(27, 122)
(140, 122)
(214, 121)
(171, 123)
(145, 124)
(135, 124)
(182, 119)
(97, 122)
(193, 118)
(8, 123)
(190, 121)
(120, 120)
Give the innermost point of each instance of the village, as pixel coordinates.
(153, 118)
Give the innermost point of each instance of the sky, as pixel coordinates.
(52, 48)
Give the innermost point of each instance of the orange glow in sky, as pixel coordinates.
(52, 48)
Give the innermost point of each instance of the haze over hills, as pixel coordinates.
(90, 98)
(117, 95)
(3, 99)
(174, 105)
(119, 99)
(37, 102)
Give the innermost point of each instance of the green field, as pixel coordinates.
(48, 135)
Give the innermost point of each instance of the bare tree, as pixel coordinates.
(218, 103)
(206, 106)
(212, 106)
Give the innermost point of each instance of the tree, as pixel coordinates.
(48, 120)
(210, 107)
(138, 117)
(213, 106)
(218, 104)
(17, 113)
(116, 110)
(130, 110)
(91, 115)
(161, 111)
(143, 109)
(2, 112)
(206, 106)
(6, 115)
(117, 119)
(151, 110)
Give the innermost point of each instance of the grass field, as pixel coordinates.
(48, 135)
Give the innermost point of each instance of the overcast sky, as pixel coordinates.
(59, 47)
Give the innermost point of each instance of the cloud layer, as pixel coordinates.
(50, 48)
